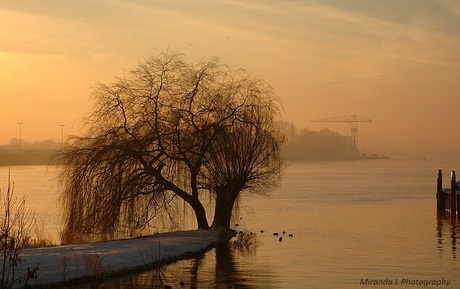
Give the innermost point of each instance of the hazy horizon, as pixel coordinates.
(395, 62)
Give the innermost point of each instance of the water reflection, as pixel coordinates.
(447, 225)
(220, 268)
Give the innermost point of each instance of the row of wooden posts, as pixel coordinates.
(447, 199)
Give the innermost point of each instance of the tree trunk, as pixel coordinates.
(224, 207)
(194, 202)
(200, 214)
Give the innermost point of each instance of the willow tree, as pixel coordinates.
(244, 157)
(169, 129)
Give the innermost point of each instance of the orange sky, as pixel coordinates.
(395, 62)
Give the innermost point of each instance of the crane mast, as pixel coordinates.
(353, 121)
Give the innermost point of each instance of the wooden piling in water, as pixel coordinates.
(446, 199)
(440, 194)
(453, 192)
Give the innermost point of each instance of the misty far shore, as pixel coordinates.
(26, 157)
(20, 157)
(301, 145)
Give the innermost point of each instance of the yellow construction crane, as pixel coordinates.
(353, 121)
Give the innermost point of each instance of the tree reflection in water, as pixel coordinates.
(216, 268)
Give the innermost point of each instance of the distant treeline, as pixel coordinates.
(17, 144)
(303, 144)
(21, 152)
(316, 145)
(26, 157)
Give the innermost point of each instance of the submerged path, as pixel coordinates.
(68, 263)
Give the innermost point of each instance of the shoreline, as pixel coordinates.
(27, 157)
(85, 263)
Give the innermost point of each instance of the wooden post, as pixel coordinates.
(453, 192)
(440, 195)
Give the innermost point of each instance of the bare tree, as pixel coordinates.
(157, 134)
(245, 156)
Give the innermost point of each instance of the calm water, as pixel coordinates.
(350, 221)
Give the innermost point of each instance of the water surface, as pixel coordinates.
(351, 221)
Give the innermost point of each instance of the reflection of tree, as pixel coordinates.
(446, 221)
(215, 269)
(220, 272)
(226, 272)
(196, 263)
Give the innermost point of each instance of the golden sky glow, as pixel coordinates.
(396, 62)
